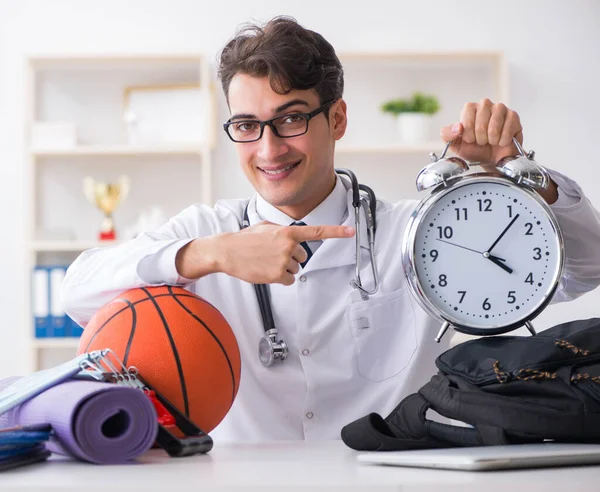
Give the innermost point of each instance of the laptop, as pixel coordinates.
(480, 458)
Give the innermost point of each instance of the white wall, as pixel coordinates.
(551, 47)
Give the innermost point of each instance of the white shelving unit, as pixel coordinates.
(387, 149)
(118, 150)
(88, 91)
(372, 147)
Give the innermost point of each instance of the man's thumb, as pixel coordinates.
(451, 132)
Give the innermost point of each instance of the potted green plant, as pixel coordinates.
(413, 115)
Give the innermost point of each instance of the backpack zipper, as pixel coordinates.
(515, 373)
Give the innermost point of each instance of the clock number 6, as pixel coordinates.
(486, 305)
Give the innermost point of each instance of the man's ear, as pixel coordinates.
(338, 119)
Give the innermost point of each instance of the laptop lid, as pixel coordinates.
(489, 457)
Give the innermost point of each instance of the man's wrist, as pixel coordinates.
(199, 258)
(550, 194)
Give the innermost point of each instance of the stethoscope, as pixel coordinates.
(269, 348)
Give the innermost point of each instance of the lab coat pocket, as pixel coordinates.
(384, 332)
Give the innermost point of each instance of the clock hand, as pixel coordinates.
(502, 234)
(459, 246)
(498, 261)
(464, 247)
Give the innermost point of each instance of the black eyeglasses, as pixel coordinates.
(286, 126)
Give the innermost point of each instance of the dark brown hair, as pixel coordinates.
(292, 57)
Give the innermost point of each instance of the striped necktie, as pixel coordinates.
(304, 244)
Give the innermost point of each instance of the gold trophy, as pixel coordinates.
(106, 196)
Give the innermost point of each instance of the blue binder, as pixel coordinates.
(41, 301)
(58, 317)
(73, 328)
(23, 445)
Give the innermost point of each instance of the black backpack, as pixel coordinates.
(510, 389)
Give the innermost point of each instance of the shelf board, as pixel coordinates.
(390, 149)
(42, 246)
(127, 61)
(46, 343)
(120, 150)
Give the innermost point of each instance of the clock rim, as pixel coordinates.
(408, 252)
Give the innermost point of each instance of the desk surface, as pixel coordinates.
(308, 466)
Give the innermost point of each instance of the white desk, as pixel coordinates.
(307, 466)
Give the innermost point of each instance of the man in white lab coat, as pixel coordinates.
(347, 356)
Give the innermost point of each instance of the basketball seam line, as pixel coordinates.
(131, 333)
(216, 340)
(175, 353)
(132, 305)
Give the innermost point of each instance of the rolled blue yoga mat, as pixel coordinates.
(93, 421)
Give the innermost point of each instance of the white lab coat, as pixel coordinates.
(348, 357)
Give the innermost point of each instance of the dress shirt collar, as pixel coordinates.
(330, 211)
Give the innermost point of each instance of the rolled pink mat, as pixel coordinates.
(92, 421)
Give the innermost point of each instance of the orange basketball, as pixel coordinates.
(180, 344)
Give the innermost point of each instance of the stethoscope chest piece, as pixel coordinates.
(270, 349)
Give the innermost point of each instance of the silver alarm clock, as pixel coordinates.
(483, 253)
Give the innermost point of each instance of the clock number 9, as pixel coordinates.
(434, 254)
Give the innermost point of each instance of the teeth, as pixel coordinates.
(279, 171)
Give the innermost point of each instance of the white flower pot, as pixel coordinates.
(414, 127)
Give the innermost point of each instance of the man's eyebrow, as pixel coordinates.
(278, 109)
(291, 103)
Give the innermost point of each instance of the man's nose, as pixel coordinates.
(270, 146)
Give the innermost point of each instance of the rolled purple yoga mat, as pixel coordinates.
(93, 421)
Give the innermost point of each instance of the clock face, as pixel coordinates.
(487, 255)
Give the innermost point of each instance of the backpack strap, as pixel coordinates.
(405, 428)
(465, 403)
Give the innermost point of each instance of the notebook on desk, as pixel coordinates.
(489, 457)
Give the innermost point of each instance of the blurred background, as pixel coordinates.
(100, 95)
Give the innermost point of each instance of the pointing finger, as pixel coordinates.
(315, 233)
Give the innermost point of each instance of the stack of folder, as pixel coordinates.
(23, 445)
(50, 318)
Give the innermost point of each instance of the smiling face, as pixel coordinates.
(293, 174)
